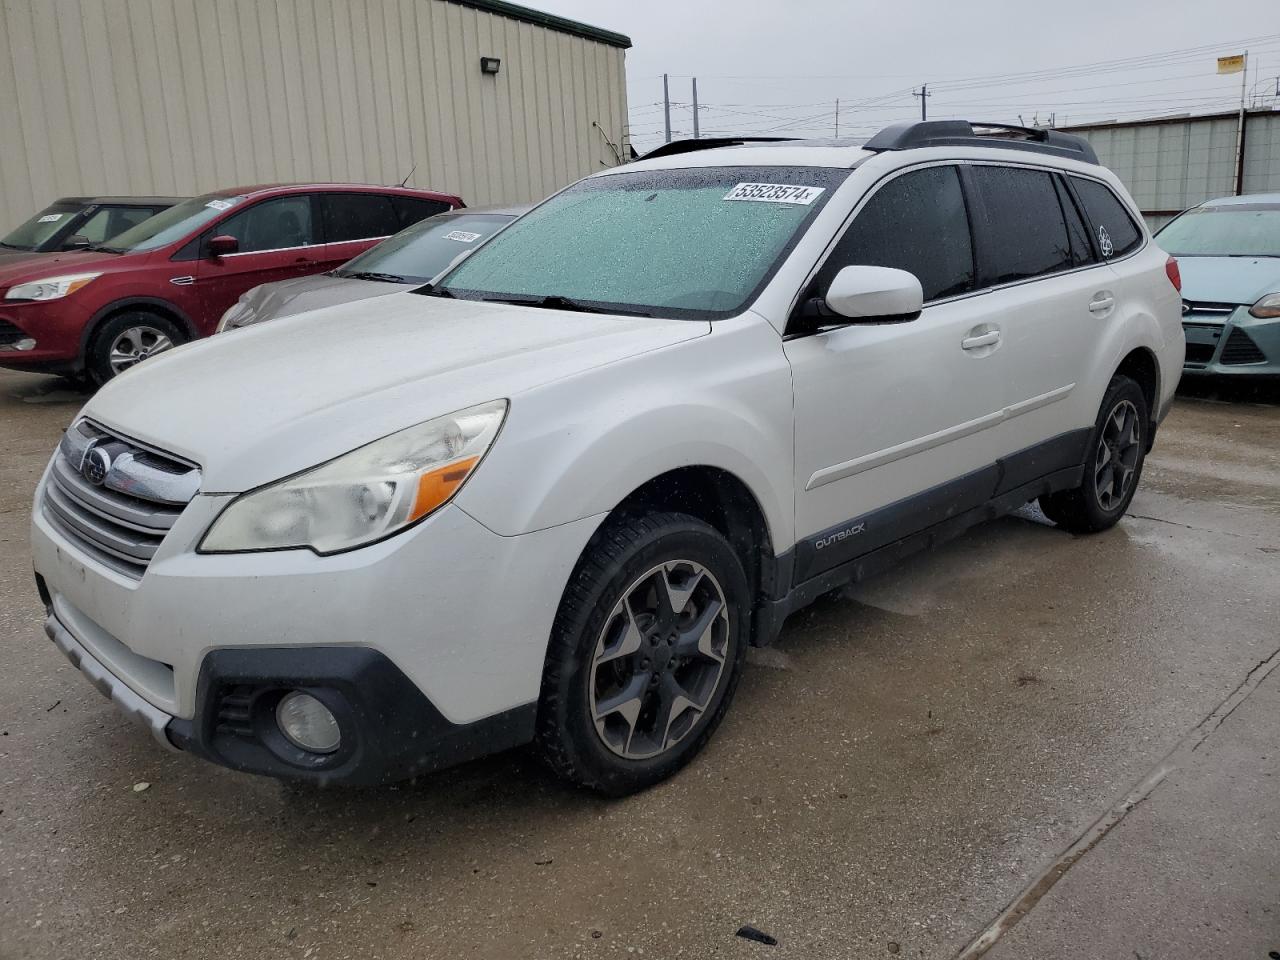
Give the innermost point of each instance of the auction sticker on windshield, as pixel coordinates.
(462, 236)
(775, 193)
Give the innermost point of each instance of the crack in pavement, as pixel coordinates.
(1185, 526)
(1034, 892)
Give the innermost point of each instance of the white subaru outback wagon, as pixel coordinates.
(553, 496)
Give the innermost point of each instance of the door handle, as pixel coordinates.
(1101, 303)
(981, 340)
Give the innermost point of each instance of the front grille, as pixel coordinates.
(1240, 348)
(115, 498)
(9, 334)
(1205, 306)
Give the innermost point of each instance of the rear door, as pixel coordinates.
(1053, 300)
(894, 422)
(277, 242)
(354, 222)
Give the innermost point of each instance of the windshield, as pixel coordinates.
(417, 254)
(173, 224)
(40, 228)
(695, 243)
(1236, 230)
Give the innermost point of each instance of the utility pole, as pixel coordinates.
(837, 118)
(666, 109)
(923, 95)
(695, 108)
(1244, 76)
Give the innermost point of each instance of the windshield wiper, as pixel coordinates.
(372, 275)
(431, 290)
(102, 248)
(556, 302)
(14, 246)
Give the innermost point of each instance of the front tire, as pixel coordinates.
(125, 340)
(1117, 451)
(645, 654)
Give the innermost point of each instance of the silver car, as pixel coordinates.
(1228, 252)
(413, 256)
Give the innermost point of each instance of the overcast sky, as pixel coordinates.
(778, 67)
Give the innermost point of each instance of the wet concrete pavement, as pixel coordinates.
(909, 758)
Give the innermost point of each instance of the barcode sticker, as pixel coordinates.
(775, 193)
(462, 236)
(50, 218)
(220, 204)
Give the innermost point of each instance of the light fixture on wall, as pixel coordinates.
(489, 64)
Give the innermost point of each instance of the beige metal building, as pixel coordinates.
(176, 97)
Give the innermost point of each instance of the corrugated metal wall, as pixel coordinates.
(1174, 164)
(184, 96)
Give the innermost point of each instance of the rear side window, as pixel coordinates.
(1021, 223)
(409, 210)
(271, 225)
(357, 216)
(1081, 249)
(916, 222)
(1113, 228)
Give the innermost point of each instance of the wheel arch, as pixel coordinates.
(1141, 366)
(151, 304)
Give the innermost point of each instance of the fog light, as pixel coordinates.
(308, 723)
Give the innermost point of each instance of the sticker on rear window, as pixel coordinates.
(50, 218)
(775, 193)
(220, 204)
(462, 236)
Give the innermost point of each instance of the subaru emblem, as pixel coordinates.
(97, 463)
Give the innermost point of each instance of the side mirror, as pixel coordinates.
(75, 242)
(874, 294)
(223, 245)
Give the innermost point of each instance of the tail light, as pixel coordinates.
(1174, 274)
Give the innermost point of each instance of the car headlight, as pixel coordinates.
(51, 288)
(1267, 308)
(363, 496)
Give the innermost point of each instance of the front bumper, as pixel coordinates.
(1231, 344)
(460, 614)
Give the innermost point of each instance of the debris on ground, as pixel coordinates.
(748, 932)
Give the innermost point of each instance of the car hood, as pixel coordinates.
(1240, 280)
(287, 297)
(258, 404)
(35, 266)
(11, 258)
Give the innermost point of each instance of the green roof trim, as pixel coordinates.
(550, 21)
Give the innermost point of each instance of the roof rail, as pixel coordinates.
(706, 143)
(963, 133)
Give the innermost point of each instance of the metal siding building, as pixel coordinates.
(184, 96)
(1175, 163)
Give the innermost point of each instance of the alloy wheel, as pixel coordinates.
(134, 345)
(1119, 448)
(659, 659)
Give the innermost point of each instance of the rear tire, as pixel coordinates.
(125, 340)
(635, 684)
(1113, 466)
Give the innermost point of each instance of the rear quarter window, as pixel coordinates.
(409, 210)
(1113, 228)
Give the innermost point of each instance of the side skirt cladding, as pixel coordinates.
(866, 545)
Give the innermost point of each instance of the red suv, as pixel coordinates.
(168, 279)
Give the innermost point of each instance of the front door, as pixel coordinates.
(894, 422)
(277, 242)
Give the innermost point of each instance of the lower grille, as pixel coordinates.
(9, 334)
(1200, 352)
(235, 712)
(1240, 348)
(114, 498)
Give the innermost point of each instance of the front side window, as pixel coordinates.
(693, 243)
(172, 225)
(276, 224)
(915, 222)
(1113, 228)
(107, 222)
(1022, 223)
(357, 216)
(417, 254)
(1231, 230)
(37, 231)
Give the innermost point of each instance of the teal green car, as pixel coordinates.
(1228, 252)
